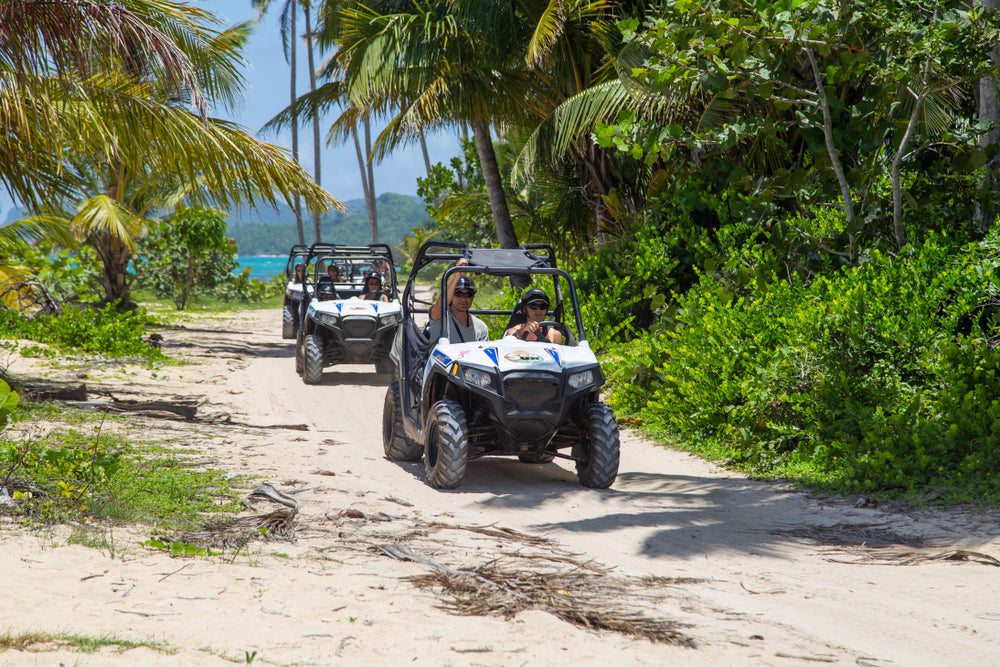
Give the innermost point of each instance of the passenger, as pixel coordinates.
(373, 288)
(464, 326)
(300, 274)
(535, 306)
(334, 272)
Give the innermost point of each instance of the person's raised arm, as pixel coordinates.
(435, 312)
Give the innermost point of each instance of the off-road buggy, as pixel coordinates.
(342, 322)
(294, 291)
(452, 402)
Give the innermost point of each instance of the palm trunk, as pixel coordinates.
(465, 137)
(370, 193)
(317, 219)
(989, 115)
(423, 149)
(295, 126)
(494, 185)
(366, 189)
(115, 256)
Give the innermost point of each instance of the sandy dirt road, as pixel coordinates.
(740, 572)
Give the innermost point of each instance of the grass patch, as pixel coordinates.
(82, 472)
(44, 641)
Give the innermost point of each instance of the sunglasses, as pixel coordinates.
(538, 305)
(465, 294)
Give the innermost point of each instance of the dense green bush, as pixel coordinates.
(186, 254)
(104, 331)
(68, 275)
(880, 376)
(242, 288)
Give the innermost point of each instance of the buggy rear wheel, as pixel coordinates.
(447, 449)
(602, 449)
(289, 322)
(299, 352)
(397, 446)
(312, 368)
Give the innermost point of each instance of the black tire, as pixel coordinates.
(447, 449)
(602, 448)
(299, 352)
(397, 446)
(289, 322)
(384, 365)
(312, 363)
(536, 457)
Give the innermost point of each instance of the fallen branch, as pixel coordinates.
(49, 391)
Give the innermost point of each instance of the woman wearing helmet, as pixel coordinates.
(373, 287)
(534, 307)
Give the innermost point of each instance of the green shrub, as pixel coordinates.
(880, 376)
(102, 331)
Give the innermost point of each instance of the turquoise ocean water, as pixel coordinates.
(262, 267)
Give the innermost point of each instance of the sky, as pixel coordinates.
(267, 93)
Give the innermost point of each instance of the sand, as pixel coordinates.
(746, 572)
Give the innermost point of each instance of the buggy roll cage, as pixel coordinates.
(523, 261)
(361, 255)
(295, 253)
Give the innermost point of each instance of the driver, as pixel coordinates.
(535, 306)
(373, 288)
(464, 326)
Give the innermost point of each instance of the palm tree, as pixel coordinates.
(123, 90)
(433, 66)
(289, 42)
(317, 170)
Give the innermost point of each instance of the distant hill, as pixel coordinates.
(267, 231)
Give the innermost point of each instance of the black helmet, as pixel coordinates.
(371, 273)
(465, 283)
(533, 295)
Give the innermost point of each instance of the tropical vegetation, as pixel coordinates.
(106, 123)
(782, 214)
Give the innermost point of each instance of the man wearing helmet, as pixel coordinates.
(464, 327)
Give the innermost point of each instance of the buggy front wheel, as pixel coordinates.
(599, 466)
(312, 368)
(447, 450)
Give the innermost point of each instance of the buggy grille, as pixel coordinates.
(531, 393)
(358, 327)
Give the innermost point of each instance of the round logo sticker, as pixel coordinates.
(524, 357)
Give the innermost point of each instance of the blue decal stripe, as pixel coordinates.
(445, 359)
(555, 355)
(491, 352)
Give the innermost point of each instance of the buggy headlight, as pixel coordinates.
(477, 377)
(328, 319)
(391, 318)
(582, 379)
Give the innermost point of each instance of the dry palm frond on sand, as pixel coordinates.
(235, 533)
(578, 596)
